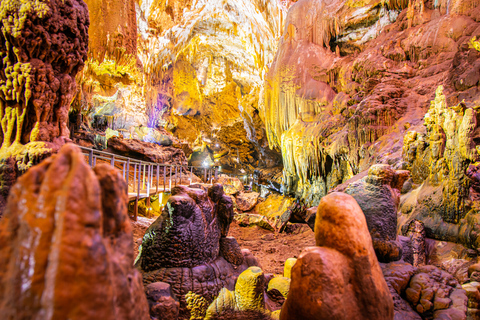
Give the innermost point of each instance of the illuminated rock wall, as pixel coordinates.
(197, 68)
(350, 78)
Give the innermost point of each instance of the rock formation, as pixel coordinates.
(344, 254)
(378, 195)
(67, 247)
(42, 47)
(442, 159)
(147, 151)
(350, 78)
(183, 247)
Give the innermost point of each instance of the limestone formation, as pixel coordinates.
(246, 200)
(433, 291)
(416, 231)
(162, 303)
(378, 195)
(344, 254)
(67, 244)
(183, 248)
(443, 160)
(273, 214)
(43, 45)
(248, 296)
(147, 151)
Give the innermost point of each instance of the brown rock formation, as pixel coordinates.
(147, 151)
(344, 255)
(67, 244)
(183, 248)
(377, 194)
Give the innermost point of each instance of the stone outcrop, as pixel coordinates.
(416, 232)
(378, 195)
(442, 158)
(183, 248)
(432, 291)
(147, 151)
(344, 254)
(67, 247)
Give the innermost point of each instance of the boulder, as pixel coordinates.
(147, 151)
(377, 194)
(162, 302)
(248, 295)
(231, 185)
(272, 214)
(67, 244)
(246, 201)
(344, 254)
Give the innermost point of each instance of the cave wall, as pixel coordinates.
(196, 68)
(350, 79)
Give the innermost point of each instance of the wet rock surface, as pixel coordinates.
(67, 244)
(344, 253)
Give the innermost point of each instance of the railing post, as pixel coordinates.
(148, 180)
(127, 173)
(170, 182)
(90, 158)
(164, 178)
(205, 175)
(123, 171)
(134, 177)
(176, 174)
(112, 162)
(143, 180)
(181, 169)
(138, 191)
(158, 168)
(94, 161)
(191, 174)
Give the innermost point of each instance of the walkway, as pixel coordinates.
(145, 179)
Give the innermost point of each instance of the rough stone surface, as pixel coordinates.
(248, 294)
(162, 303)
(147, 151)
(246, 200)
(67, 245)
(231, 251)
(432, 290)
(378, 197)
(182, 248)
(344, 254)
(443, 157)
(397, 275)
(416, 231)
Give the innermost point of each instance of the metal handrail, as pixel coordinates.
(144, 173)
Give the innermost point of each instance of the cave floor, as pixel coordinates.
(270, 249)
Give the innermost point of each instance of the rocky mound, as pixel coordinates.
(67, 247)
(188, 248)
